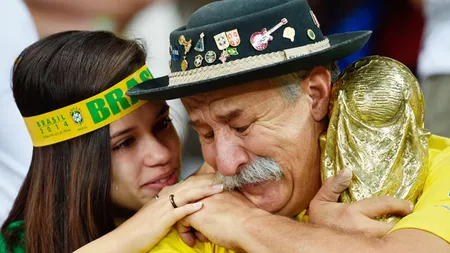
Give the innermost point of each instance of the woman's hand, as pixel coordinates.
(154, 220)
(204, 169)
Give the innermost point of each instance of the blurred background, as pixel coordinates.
(414, 32)
(398, 25)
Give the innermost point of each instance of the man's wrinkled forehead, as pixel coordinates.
(195, 101)
(220, 105)
(238, 95)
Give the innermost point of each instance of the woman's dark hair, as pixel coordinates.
(65, 199)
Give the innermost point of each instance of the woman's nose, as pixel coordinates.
(156, 153)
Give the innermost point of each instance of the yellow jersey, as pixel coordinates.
(432, 212)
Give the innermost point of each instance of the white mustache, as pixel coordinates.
(262, 169)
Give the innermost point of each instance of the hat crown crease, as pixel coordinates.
(227, 10)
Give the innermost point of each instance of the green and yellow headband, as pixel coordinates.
(87, 115)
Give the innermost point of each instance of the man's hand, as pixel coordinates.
(220, 220)
(354, 217)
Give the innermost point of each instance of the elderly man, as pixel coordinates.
(259, 99)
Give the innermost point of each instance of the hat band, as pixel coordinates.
(240, 65)
(87, 115)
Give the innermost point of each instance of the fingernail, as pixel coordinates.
(197, 205)
(218, 187)
(411, 205)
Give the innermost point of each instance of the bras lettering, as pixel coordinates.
(113, 102)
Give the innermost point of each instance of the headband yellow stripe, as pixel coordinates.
(88, 115)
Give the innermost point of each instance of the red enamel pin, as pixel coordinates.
(260, 40)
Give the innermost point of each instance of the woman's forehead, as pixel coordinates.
(145, 115)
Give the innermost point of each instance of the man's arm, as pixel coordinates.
(229, 220)
(271, 233)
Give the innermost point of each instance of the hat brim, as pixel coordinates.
(341, 46)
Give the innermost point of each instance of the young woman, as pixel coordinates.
(99, 156)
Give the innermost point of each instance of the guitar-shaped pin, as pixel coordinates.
(260, 40)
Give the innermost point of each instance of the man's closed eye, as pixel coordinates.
(241, 129)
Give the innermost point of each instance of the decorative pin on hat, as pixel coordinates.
(289, 33)
(198, 61)
(224, 56)
(311, 34)
(210, 57)
(186, 43)
(233, 38)
(175, 53)
(222, 41)
(200, 46)
(245, 51)
(232, 51)
(260, 40)
(314, 18)
(184, 64)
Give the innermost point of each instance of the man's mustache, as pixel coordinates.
(260, 170)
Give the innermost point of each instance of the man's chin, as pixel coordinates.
(267, 195)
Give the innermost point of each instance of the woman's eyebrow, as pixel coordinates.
(125, 131)
(163, 110)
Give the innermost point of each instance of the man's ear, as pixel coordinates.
(318, 86)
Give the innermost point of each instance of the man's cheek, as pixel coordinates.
(208, 152)
(261, 143)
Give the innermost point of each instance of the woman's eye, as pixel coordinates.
(124, 144)
(163, 124)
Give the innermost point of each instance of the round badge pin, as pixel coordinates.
(210, 57)
(311, 34)
(198, 61)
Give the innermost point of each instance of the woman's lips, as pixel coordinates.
(163, 182)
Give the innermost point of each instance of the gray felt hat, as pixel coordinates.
(230, 42)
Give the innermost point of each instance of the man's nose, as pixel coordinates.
(230, 155)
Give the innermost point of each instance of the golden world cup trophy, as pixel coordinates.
(376, 129)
